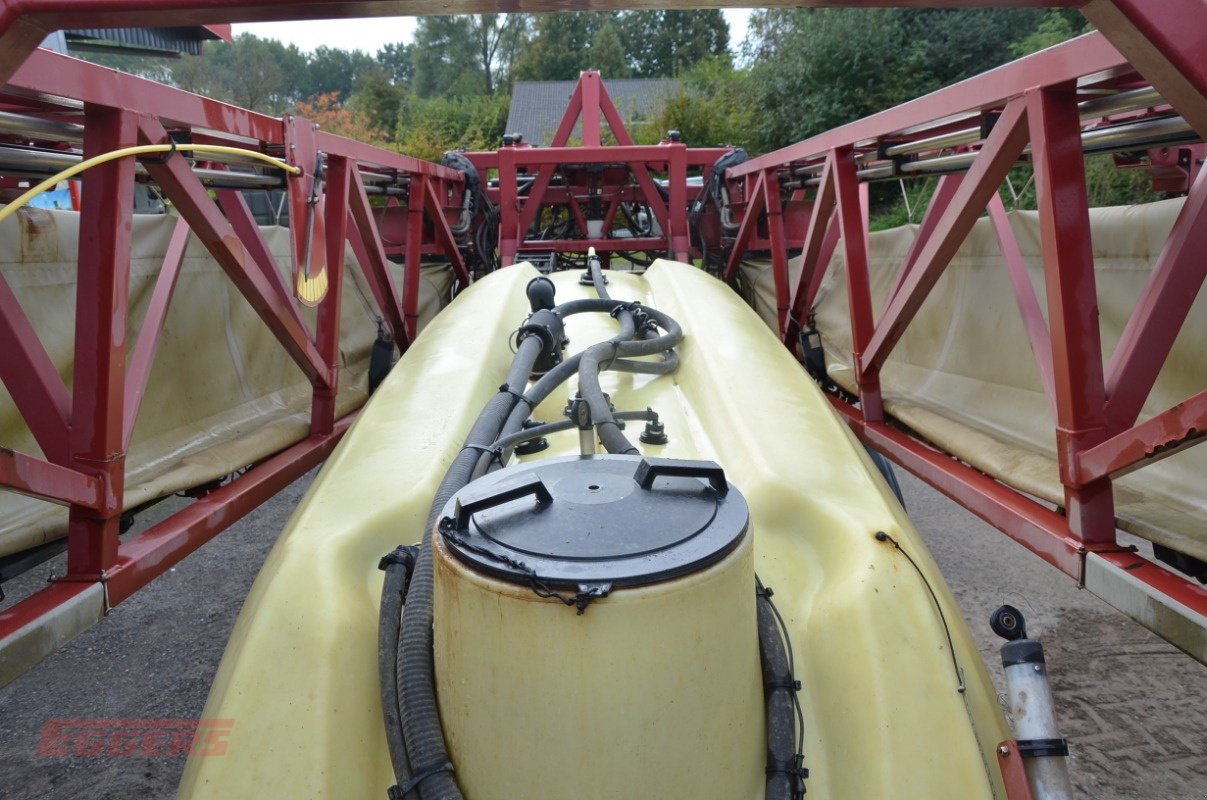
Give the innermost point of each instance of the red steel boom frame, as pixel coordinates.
(1032, 101)
(84, 433)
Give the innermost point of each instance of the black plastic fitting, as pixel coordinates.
(1022, 651)
(541, 294)
(654, 433)
(549, 327)
(532, 446)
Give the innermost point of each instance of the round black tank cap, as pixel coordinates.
(608, 519)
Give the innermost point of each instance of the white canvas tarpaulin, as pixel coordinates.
(222, 394)
(963, 375)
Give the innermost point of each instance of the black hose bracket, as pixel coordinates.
(404, 556)
(794, 769)
(548, 326)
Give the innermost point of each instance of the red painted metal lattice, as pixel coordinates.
(809, 197)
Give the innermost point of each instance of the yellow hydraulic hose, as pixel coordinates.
(139, 150)
(310, 289)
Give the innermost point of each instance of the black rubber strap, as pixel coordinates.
(403, 554)
(1039, 748)
(399, 792)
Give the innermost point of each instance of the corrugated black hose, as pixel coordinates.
(414, 735)
(785, 721)
(421, 729)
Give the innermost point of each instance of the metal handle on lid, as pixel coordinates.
(532, 485)
(651, 468)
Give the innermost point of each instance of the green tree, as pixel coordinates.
(662, 44)
(444, 50)
(260, 74)
(378, 98)
(430, 126)
(819, 68)
(1058, 25)
(496, 37)
(333, 71)
(560, 46)
(396, 60)
(465, 54)
(607, 52)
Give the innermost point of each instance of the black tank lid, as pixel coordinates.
(609, 520)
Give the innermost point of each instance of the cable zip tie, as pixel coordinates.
(794, 769)
(400, 792)
(505, 389)
(489, 450)
(163, 158)
(403, 554)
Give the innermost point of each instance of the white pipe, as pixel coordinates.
(1031, 708)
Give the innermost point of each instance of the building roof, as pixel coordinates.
(145, 41)
(537, 106)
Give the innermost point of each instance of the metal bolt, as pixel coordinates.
(1003, 750)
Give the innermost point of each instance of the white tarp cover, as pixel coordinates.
(222, 394)
(964, 377)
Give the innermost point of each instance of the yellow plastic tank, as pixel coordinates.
(606, 623)
(896, 699)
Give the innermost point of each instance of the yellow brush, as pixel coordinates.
(311, 289)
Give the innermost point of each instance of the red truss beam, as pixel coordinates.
(1028, 303)
(853, 220)
(756, 203)
(1033, 101)
(335, 224)
(99, 379)
(1072, 304)
(591, 104)
(823, 230)
(1162, 436)
(1090, 55)
(968, 202)
(139, 371)
(85, 433)
(32, 380)
(1175, 282)
(370, 253)
(37, 478)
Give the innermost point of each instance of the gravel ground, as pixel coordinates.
(1134, 707)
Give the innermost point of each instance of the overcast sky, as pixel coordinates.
(370, 34)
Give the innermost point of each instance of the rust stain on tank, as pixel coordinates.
(39, 235)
